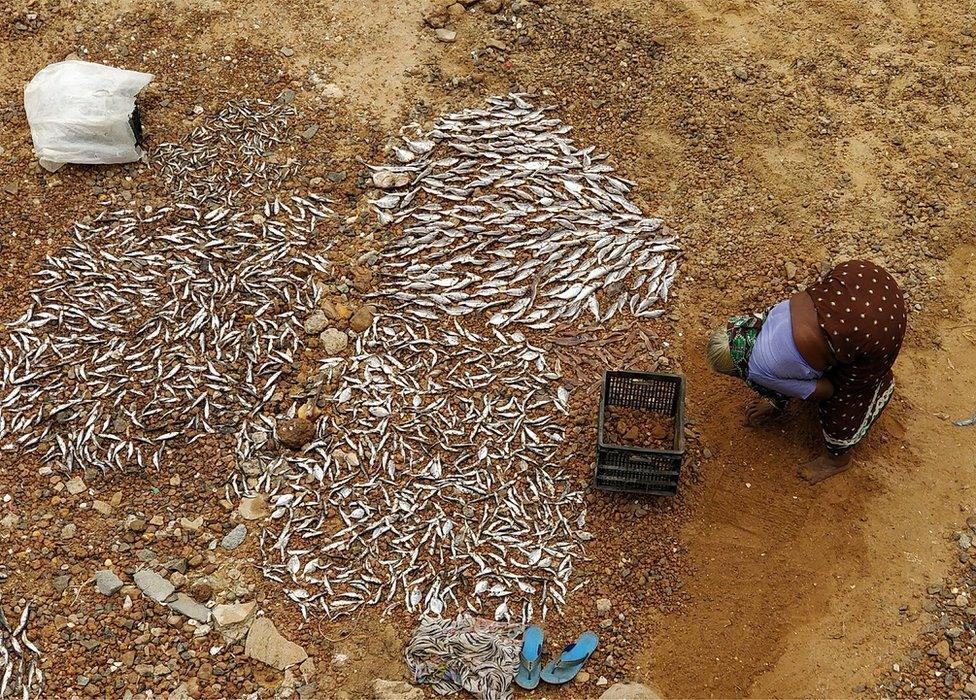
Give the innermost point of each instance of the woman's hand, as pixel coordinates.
(758, 411)
(823, 391)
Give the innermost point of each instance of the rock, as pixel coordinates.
(11, 188)
(436, 18)
(75, 486)
(192, 525)
(965, 541)
(153, 585)
(181, 692)
(287, 51)
(185, 605)
(233, 614)
(630, 691)
(362, 320)
(582, 677)
(445, 35)
(790, 270)
(316, 323)
(10, 521)
(102, 507)
(296, 432)
(310, 132)
(254, 508)
(201, 590)
(136, 524)
(455, 11)
(308, 670)
(388, 179)
(287, 96)
(68, 531)
(740, 73)
(603, 606)
(492, 6)
(265, 644)
(331, 91)
(602, 680)
(107, 582)
(61, 583)
(333, 341)
(941, 650)
(234, 538)
(395, 690)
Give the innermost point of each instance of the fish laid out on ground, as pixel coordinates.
(439, 482)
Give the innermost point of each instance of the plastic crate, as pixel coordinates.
(639, 469)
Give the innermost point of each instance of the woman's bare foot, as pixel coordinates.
(758, 411)
(824, 467)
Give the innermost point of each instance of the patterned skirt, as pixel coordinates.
(862, 313)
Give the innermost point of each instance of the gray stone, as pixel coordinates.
(287, 51)
(107, 582)
(185, 605)
(333, 341)
(234, 538)
(965, 541)
(61, 583)
(630, 691)
(741, 73)
(153, 585)
(265, 644)
(395, 690)
(603, 606)
(310, 132)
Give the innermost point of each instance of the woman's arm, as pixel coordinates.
(823, 391)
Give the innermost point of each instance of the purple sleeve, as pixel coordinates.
(798, 388)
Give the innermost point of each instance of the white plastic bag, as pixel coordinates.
(81, 112)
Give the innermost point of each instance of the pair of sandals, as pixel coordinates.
(557, 671)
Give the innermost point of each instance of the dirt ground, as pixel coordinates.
(775, 137)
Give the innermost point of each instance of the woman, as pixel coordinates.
(834, 343)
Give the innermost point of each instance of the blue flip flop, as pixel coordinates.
(569, 663)
(530, 660)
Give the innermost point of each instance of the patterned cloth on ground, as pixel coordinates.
(468, 653)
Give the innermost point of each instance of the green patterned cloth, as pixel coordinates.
(743, 331)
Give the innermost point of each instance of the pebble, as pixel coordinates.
(395, 690)
(185, 605)
(102, 507)
(965, 541)
(362, 320)
(445, 35)
(153, 585)
(234, 538)
(287, 51)
(61, 583)
(107, 582)
(740, 73)
(331, 91)
(333, 341)
(492, 6)
(68, 531)
(266, 644)
(75, 486)
(310, 132)
(255, 508)
(630, 691)
(316, 323)
(603, 606)
(295, 433)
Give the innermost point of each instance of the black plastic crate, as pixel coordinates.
(638, 469)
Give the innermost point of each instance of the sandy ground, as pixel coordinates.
(775, 137)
